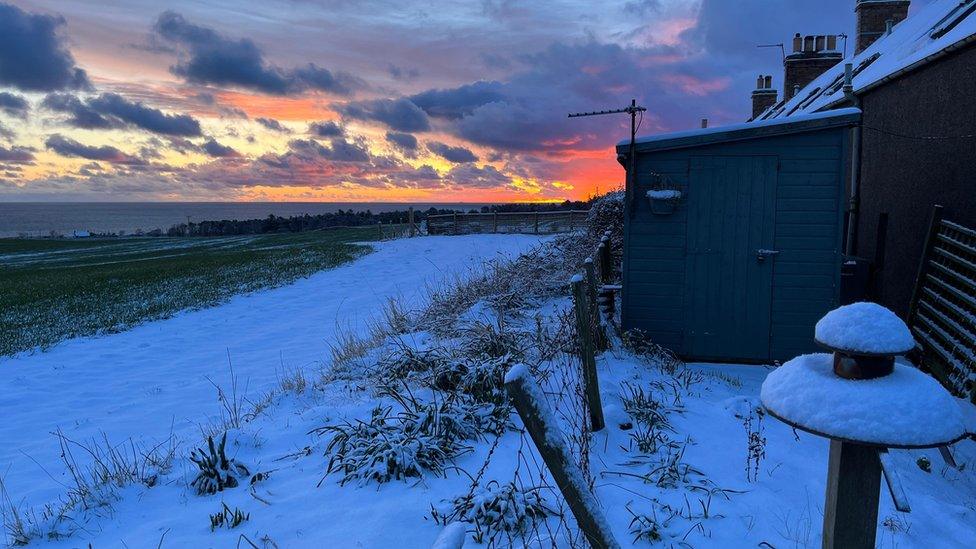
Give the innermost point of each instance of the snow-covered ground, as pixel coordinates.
(153, 379)
(718, 473)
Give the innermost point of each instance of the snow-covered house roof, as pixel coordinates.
(939, 28)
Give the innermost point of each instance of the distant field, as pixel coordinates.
(52, 290)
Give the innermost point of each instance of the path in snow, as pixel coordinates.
(142, 382)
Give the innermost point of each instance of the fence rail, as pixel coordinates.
(943, 309)
(507, 222)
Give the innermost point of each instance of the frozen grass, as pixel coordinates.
(59, 289)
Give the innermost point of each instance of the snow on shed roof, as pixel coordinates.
(937, 28)
(762, 128)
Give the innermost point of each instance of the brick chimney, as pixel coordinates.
(811, 57)
(764, 96)
(873, 16)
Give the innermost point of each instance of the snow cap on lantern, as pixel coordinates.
(864, 329)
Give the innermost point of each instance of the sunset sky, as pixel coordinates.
(361, 100)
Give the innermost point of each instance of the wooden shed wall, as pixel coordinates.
(808, 230)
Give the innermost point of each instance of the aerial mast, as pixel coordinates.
(633, 110)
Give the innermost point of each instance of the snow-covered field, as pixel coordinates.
(686, 458)
(153, 379)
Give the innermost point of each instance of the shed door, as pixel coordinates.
(731, 207)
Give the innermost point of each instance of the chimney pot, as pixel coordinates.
(797, 43)
(769, 82)
(832, 42)
(821, 43)
(808, 44)
(704, 122)
(759, 82)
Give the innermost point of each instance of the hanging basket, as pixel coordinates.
(664, 202)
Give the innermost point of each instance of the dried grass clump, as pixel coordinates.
(420, 439)
(497, 511)
(217, 472)
(403, 361)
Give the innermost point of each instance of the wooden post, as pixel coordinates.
(600, 337)
(455, 223)
(935, 220)
(590, 380)
(531, 406)
(536, 222)
(853, 494)
(413, 228)
(590, 284)
(379, 227)
(606, 260)
(494, 222)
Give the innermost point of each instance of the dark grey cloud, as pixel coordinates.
(16, 155)
(403, 141)
(33, 55)
(208, 57)
(110, 110)
(216, 150)
(146, 118)
(81, 114)
(14, 105)
(398, 114)
(272, 124)
(459, 101)
(338, 150)
(66, 146)
(458, 155)
(326, 128)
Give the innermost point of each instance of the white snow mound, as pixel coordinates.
(904, 409)
(666, 194)
(865, 327)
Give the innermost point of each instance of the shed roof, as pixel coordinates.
(751, 130)
(940, 27)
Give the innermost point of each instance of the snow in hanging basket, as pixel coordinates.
(664, 201)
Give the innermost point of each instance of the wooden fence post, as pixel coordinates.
(606, 260)
(413, 228)
(494, 222)
(590, 380)
(455, 223)
(532, 407)
(600, 337)
(379, 227)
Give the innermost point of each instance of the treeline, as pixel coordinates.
(342, 218)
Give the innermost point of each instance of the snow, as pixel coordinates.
(576, 278)
(904, 409)
(517, 373)
(745, 126)
(154, 379)
(909, 44)
(452, 537)
(864, 327)
(109, 384)
(667, 194)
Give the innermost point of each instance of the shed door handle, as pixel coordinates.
(762, 254)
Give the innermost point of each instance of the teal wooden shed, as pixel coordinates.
(733, 236)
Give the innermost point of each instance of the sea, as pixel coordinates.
(66, 218)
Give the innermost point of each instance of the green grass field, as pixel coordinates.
(52, 290)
